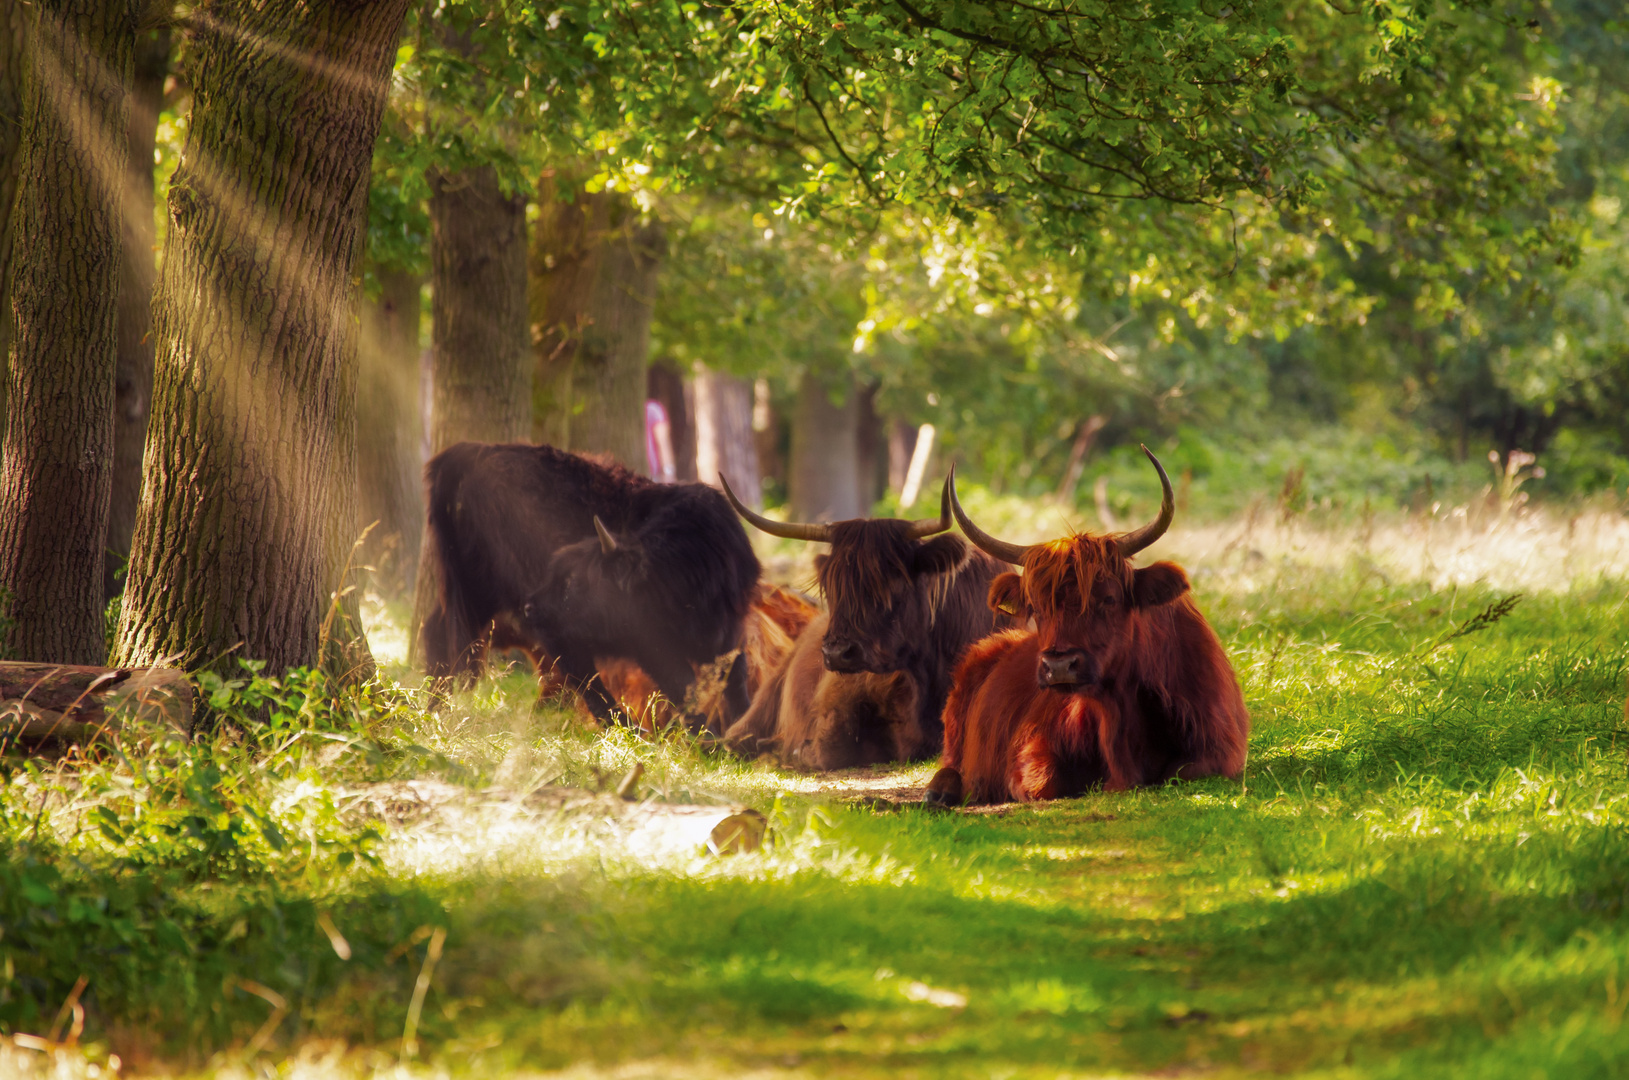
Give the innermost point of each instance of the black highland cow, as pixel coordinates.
(581, 560)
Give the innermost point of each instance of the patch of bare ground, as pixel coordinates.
(433, 823)
(882, 787)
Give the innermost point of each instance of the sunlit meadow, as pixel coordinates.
(1423, 872)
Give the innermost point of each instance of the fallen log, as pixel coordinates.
(69, 704)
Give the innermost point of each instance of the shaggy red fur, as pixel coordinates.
(1156, 698)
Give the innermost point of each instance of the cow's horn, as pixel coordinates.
(1132, 542)
(930, 526)
(787, 530)
(1000, 549)
(608, 543)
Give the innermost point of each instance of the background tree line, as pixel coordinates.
(1034, 226)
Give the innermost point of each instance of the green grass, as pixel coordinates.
(1424, 872)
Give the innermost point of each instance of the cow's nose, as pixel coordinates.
(1063, 668)
(841, 655)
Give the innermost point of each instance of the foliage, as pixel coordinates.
(165, 868)
(1164, 150)
(1183, 218)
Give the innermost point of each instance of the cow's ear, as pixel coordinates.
(1007, 595)
(1158, 584)
(941, 555)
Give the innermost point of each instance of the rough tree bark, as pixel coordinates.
(594, 267)
(480, 356)
(724, 438)
(481, 362)
(249, 477)
(13, 64)
(388, 431)
(58, 448)
(824, 473)
(133, 379)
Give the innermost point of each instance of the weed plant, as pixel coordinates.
(1424, 870)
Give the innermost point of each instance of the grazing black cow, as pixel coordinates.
(904, 596)
(580, 560)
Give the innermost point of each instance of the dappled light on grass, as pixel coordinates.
(1421, 872)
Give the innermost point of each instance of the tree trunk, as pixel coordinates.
(724, 442)
(46, 704)
(58, 447)
(133, 380)
(479, 345)
(594, 268)
(388, 428)
(871, 449)
(825, 460)
(249, 472)
(608, 376)
(664, 384)
(901, 442)
(480, 356)
(771, 436)
(14, 19)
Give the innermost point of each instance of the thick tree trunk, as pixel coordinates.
(14, 18)
(479, 345)
(389, 432)
(608, 376)
(824, 483)
(133, 380)
(724, 442)
(480, 355)
(249, 477)
(594, 268)
(58, 447)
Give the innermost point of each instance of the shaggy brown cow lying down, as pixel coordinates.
(811, 718)
(903, 598)
(1121, 683)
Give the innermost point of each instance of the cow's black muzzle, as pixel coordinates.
(842, 656)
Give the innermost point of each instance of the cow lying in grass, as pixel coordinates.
(1121, 683)
(774, 623)
(867, 683)
(811, 718)
(579, 561)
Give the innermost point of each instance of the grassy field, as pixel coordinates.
(1424, 871)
